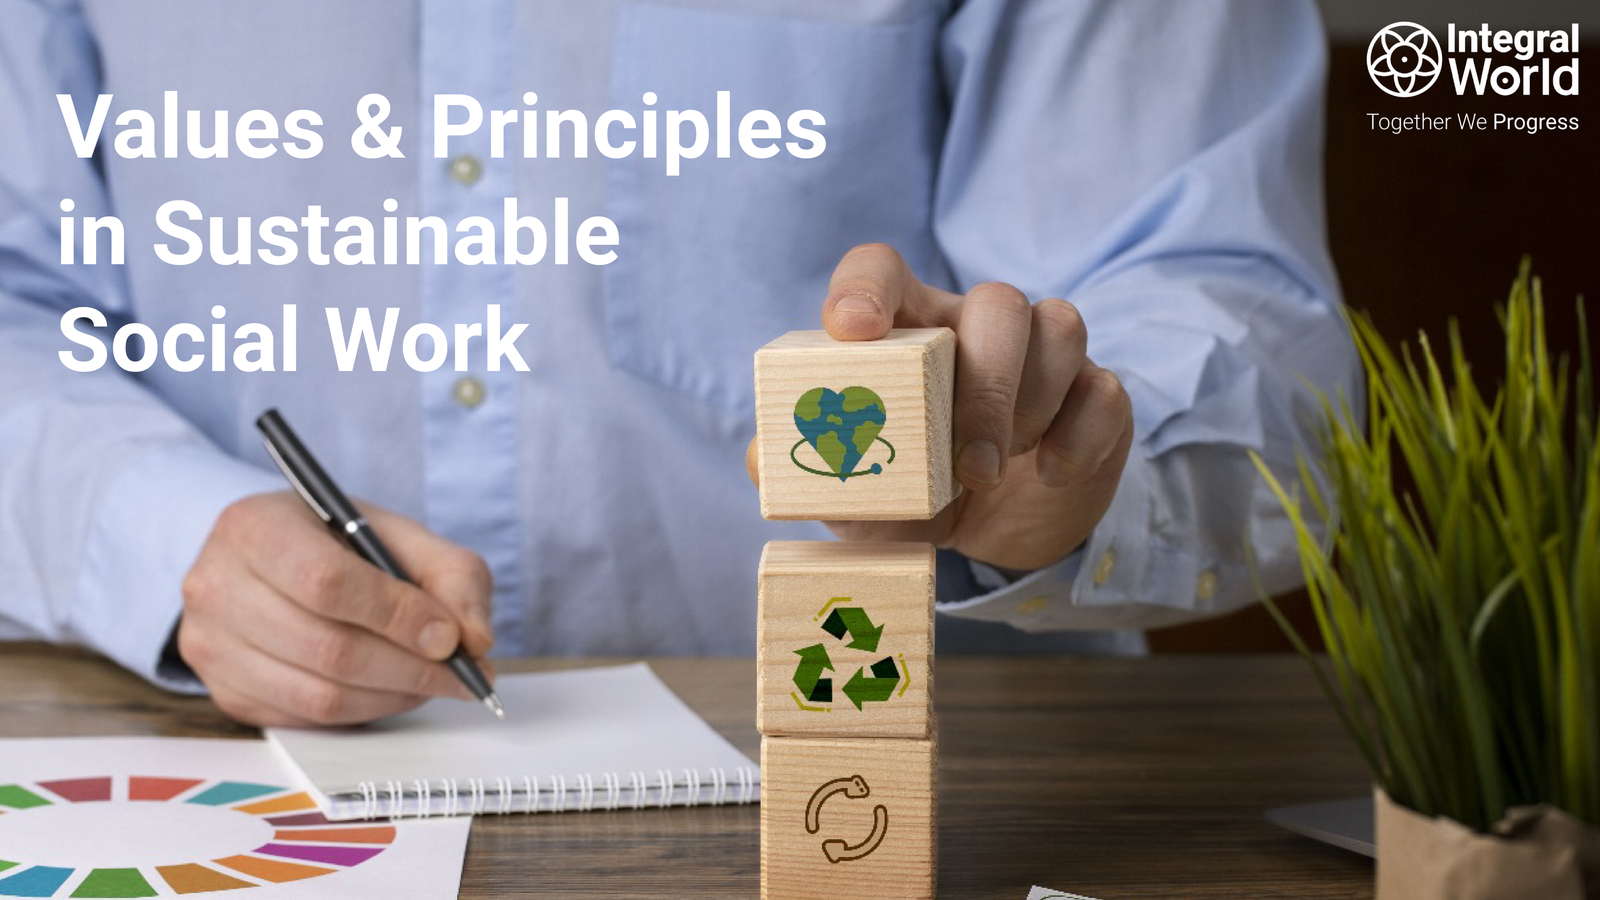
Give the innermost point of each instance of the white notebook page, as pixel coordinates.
(575, 739)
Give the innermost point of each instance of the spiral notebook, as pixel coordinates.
(598, 738)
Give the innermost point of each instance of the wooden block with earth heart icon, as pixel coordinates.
(844, 639)
(856, 430)
(847, 818)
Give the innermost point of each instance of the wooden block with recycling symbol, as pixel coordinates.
(856, 430)
(844, 639)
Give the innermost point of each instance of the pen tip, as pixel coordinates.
(493, 702)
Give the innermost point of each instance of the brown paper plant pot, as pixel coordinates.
(1534, 853)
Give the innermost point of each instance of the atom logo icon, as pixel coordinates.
(1403, 59)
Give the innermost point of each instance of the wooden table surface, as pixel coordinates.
(1131, 778)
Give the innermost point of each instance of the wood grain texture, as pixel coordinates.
(847, 818)
(912, 371)
(1121, 779)
(892, 583)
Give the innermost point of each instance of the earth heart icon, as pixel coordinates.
(841, 426)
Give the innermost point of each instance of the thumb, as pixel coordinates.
(873, 290)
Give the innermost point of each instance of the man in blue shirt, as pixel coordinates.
(1154, 164)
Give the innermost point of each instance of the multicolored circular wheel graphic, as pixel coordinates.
(146, 832)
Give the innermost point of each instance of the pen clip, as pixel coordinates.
(295, 481)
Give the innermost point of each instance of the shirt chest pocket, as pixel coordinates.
(732, 252)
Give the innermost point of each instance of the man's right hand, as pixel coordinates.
(287, 626)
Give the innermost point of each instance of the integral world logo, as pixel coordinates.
(1404, 59)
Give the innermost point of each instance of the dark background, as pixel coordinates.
(1426, 226)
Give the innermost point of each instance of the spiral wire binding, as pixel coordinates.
(555, 793)
(369, 801)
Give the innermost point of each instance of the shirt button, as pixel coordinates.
(1102, 572)
(1206, 587)
(466, 169)
(468, 391)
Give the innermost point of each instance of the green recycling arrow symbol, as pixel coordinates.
(808, 675)
(861, 688)
(885, 675)
(863, 635)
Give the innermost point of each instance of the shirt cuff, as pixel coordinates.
(145, 534)
(1104, 585)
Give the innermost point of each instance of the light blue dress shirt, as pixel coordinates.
(1156, 163)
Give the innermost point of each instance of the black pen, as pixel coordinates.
(330, 504)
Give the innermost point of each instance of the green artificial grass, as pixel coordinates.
(1458, 588)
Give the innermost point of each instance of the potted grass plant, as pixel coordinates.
(1451, 551)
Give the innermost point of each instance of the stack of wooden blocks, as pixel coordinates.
(850, 431)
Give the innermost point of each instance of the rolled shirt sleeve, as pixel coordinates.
(105, 492)
(1160, 167)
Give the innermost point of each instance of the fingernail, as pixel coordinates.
(436, 640)
(857, 305)
(979, 463)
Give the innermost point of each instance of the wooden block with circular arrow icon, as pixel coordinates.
(856, 430)
(844, 639)
(847, 818)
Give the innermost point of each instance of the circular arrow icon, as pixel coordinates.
(856, 788)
